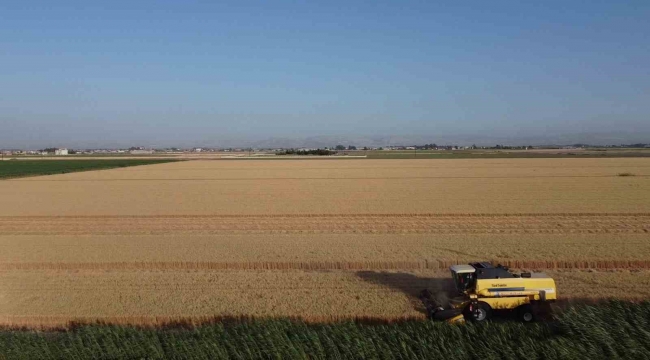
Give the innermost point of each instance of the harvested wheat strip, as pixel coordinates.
(326, 265)
(354, 231)
(319, 225)
(330, 215)
(320, 265)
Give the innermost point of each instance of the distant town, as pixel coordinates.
(140, 150)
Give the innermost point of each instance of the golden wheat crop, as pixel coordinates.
(320, 240)
(39, 297)
(338, 187)
(417, 249)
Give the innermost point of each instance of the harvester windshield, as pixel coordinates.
(464, 281)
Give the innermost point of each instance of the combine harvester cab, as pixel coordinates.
(484, 289)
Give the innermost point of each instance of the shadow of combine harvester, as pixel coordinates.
(438, 290)
(454, 301)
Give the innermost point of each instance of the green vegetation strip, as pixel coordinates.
(22, 168)
(611, 330)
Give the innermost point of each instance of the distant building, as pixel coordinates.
(141, 152)
(61, 152)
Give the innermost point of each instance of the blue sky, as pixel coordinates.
(79, 73)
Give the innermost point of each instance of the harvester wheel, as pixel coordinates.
(525, 313)
(483, 312)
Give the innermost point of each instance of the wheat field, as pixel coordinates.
(259, 187)
(55, 297)
(316, 239)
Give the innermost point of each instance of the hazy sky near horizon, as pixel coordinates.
(76, 73)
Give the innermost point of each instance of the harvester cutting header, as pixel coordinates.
(483, 288)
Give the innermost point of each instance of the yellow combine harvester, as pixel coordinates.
(484, 288)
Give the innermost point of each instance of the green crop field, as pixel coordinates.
(22, 168)
(611, 330)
